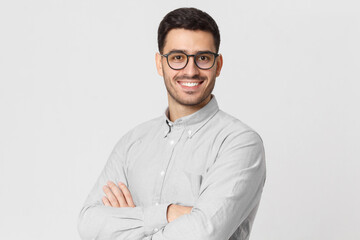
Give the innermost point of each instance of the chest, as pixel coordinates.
(171, 168)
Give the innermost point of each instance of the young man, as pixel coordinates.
(193, 173)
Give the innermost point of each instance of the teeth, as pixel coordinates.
(189, 84)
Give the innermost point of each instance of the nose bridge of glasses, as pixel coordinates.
(194, 64)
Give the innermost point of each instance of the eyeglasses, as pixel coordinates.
(178, 60)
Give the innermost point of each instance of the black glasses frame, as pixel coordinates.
(187, 58)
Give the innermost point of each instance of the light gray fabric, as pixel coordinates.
(208, 160)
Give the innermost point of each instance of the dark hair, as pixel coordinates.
(190, 19)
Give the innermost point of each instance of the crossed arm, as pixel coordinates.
(120, 197)
(228, 196)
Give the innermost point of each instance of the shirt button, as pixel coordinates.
(171, 142)
(155, 229)
(157, 204)
(162, 173)
(189, 132)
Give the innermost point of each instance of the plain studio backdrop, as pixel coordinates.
(76, 75)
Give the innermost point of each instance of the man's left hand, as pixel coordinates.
(117, 196)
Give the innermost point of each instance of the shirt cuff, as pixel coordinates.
(155, 217)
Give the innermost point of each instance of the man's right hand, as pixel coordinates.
(117, 196)
(174, 211)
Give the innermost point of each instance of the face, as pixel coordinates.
(190, 86)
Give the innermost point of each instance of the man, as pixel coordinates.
(193, 173)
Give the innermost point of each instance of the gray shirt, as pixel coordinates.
(208, 160)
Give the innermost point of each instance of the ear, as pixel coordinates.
(219, 64)
(158, 59)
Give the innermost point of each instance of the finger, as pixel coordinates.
(109, 194)
(118, 194)
(106, 202)
(127, 194)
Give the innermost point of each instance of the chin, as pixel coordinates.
(191, 101)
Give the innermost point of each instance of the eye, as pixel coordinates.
(204, 58)
(177, 57)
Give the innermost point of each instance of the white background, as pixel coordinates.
(76, 75)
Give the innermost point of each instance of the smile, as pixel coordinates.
(186, 85)
(189, 84)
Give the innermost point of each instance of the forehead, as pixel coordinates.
(189, 40)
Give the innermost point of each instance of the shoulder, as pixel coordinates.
(233, 127)
(138, 132)
(236, 138)
(240, 142)
(145, 128)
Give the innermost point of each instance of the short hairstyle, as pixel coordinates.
(190, 19)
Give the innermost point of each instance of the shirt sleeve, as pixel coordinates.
(97, 221)
(229, 193)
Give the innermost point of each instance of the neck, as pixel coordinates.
(177, 110)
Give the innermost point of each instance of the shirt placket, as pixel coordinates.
(169, 144)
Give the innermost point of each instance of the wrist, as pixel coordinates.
(170, 213)
(174, 211)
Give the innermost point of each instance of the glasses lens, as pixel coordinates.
(205, 60)
(177, 60)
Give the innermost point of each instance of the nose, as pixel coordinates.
(191, 69)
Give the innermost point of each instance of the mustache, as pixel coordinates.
(186, 77)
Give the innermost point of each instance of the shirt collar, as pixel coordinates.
(195, 121)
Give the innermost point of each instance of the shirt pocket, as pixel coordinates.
(195, 180)
(190, 167)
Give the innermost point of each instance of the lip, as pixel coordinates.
(190, 87)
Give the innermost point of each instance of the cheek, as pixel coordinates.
(211, 75)
(169, 75)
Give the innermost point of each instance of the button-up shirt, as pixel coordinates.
(208, 160)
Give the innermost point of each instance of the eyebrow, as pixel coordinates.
(185, 51)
